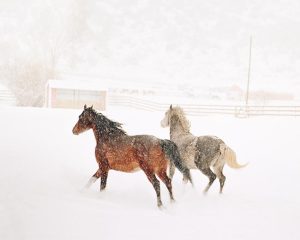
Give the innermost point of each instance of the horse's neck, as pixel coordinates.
(100, 139)
(177, 131)
(96, 132)
(104, 138)
(182, 138)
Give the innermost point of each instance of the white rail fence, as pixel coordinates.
(6, 98)
(196, 109)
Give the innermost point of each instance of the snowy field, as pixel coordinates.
(43, 168)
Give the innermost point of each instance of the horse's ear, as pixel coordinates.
(171, 107)
(84, 106)
(92, 107)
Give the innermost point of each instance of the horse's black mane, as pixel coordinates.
(105, 126)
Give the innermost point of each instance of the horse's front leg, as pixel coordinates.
(103, 180)
(103, 167)
(100, 173)
(93, 179)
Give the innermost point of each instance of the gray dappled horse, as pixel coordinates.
(199, 152)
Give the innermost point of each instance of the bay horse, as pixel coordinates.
(199, 152)
(115, 150)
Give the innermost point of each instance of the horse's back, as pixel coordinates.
(207, 147)
(150, 149)
(150, 139)
(142, 142)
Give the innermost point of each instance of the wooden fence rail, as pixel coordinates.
(197, 109)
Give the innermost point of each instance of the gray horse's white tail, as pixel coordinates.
(230, 157)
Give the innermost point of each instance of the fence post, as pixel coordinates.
(248, 81)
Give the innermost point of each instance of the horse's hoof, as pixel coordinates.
(84, 189)
(161, 207)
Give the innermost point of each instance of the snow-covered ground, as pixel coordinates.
(43, 168)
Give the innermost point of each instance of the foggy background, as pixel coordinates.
(139, 56)
(196, 47)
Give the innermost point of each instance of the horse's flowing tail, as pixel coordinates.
(171, 150)
(230, 157)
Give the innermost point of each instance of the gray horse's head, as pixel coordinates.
(165, 122)
(175, 116)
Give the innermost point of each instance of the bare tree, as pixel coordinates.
(49, 38)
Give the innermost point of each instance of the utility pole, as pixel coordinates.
(249, 70)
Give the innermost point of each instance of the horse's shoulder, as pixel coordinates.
(144, 140)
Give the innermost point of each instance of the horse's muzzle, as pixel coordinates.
(75, 130)
(163, 123)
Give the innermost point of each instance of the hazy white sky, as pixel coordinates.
(196, 41)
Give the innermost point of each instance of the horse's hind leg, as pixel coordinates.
(209, 173)
(167, 181)
(151, 176)
(219, 172)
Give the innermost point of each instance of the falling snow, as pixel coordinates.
(44, 167)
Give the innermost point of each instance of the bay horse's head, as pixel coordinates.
(85, 121)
